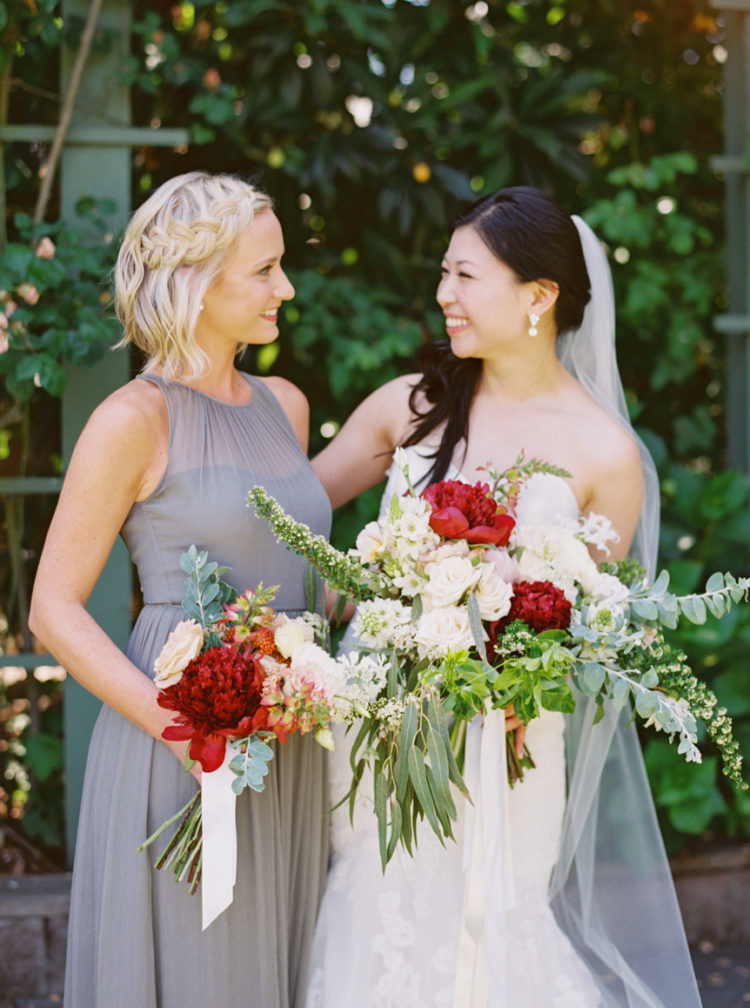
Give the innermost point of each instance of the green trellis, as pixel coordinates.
(96, 162)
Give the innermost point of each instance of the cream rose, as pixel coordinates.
(493, 594)
(443, 630)
(370, 542)
(290, 634)
(183, 644)
(448, 580)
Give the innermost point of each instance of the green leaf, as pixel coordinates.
(694, 609)
(418, 779)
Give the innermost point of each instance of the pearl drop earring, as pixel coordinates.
(533, 319)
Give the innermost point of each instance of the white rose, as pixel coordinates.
(443, 630)
(370, 542)
(448, 580)
(183, 644)
(457, 547)
(493, 594)
(289, 634)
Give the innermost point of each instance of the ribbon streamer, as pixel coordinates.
(488, 886)
(219, 840)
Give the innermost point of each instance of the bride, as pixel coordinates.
(557, 893)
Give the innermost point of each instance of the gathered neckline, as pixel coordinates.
(205, 395)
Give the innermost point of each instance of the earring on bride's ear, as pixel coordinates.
(533, 319)
(201, 307)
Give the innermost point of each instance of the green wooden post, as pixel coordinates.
(101, 172)
(735, 324)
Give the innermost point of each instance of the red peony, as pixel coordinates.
(540, 604)
(218, 697)
(462, 511)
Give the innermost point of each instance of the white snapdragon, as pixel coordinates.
(364, 679)
(378, 620)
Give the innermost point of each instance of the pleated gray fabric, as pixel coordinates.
(135, 938)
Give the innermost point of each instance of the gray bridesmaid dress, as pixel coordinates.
(135, 938)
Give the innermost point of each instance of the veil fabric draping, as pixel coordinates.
(587, 856)
(611, 888)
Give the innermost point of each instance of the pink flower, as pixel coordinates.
(45, 249)
(504, 564)
(28, 292)
(3, 343)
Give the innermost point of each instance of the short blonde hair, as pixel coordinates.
(174, 247)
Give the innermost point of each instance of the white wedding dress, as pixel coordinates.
(467, 925)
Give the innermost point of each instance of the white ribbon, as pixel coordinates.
(218, 802)
(488, 886)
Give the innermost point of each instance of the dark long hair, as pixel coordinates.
(528, 232)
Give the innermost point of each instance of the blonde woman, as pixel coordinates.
(167, 461)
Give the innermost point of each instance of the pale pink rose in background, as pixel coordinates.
(183, 644)
(3, 343)
(3, 321)
(290, 634)
(504, 564)
(370, 542)
(211, 78)
(28, 292)
(45, 249)
(10, 307)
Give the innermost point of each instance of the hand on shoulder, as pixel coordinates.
(361, 452)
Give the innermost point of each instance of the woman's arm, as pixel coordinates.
(361, 452)
(617, 491)
(118, 460)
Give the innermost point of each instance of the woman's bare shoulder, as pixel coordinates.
(133, 408)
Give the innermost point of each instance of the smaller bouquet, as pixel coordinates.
(238, 676)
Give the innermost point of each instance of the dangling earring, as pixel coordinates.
(201, 307)
(533, 319)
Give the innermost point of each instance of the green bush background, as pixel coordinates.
(371, 122)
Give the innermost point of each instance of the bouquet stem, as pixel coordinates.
(184, 852)
(517, 764)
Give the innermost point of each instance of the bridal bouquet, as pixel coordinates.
(477, 600)
(238, 676)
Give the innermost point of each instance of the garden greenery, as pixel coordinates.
(371, 122)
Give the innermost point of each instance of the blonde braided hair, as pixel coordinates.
(174, 247)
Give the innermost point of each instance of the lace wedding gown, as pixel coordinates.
(456, 926)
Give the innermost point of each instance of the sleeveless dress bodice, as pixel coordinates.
(217, 451)
(135, 937)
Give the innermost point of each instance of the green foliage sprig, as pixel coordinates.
(676, 677)
(341, 572)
